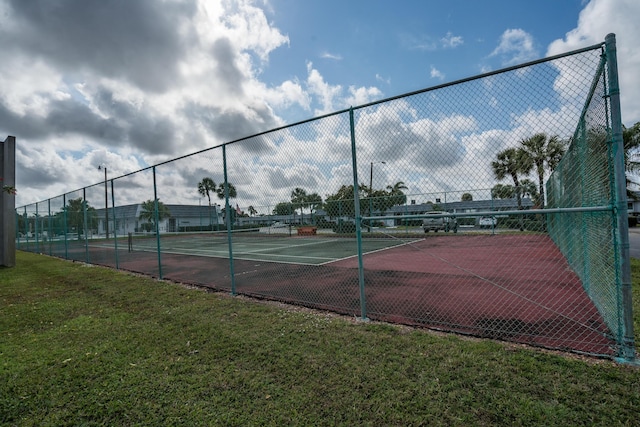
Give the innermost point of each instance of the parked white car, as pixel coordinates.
(439, 223)
(488, 222)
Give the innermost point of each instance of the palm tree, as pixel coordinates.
(299, 199)
(503, 191)
(313, 201)
(397, 188)
(233, 193)
(148, 213)
(283, 208)
(206, 187)
(75, 214)
(397, 195)
(252, 211)
(512, 162)
(529, 188)
(542, 152)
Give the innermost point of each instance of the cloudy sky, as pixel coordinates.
(131, 84)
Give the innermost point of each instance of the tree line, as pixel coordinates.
(538, 153)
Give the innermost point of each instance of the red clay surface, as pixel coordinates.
(517, 288)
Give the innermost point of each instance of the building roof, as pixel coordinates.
(474, 205)
(192, 211)
(176, 211)
(126, 211)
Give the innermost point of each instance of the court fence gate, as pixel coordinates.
(493, 206)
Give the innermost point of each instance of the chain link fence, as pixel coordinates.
(489, 206)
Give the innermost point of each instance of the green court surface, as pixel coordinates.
(253, 245)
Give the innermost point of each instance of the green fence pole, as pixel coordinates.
(624, 266)
(356, 202)
(115, 225)
(16, 219)
(36, 229)
(64, 218)
(157, 221)
(227, 218)
(49, 231)
(586, 281)
(85, 224)
(26, 226)
(406, 222)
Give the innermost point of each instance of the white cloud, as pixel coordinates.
(248, 27)
(326, 92)
(451, 41)
(331, 97)
(421, 42)
(327, 55)
(427, 43)
(516, 46)
(597, 19)
(436, 74)
(288, 94)
(382, 79)
(71, 116)
(362, 95)
(175, 77)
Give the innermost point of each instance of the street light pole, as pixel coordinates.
(106, 202)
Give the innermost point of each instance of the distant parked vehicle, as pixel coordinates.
(439, 223)
(488, 222)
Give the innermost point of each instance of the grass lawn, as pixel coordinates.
(83, 345)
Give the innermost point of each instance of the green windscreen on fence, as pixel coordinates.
(586, 179)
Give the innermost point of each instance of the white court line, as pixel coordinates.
(239, 256)
(372, 252)
(310, 243)
(239, 251)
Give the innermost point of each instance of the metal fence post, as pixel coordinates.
(85, 224)
(620, 191)
(227, 219)
(36, 229)
(64, 218)
(25, 217)
(582, 130)
(16, 224)
(115, 225)
(356, 202)
(155, 213)
(49, 229)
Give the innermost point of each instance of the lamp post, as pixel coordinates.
(106, 202)
(371, 191)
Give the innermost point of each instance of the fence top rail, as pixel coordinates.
(381, 101)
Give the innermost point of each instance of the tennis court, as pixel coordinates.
(263, 245)
(517, 287)
(556, 274)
